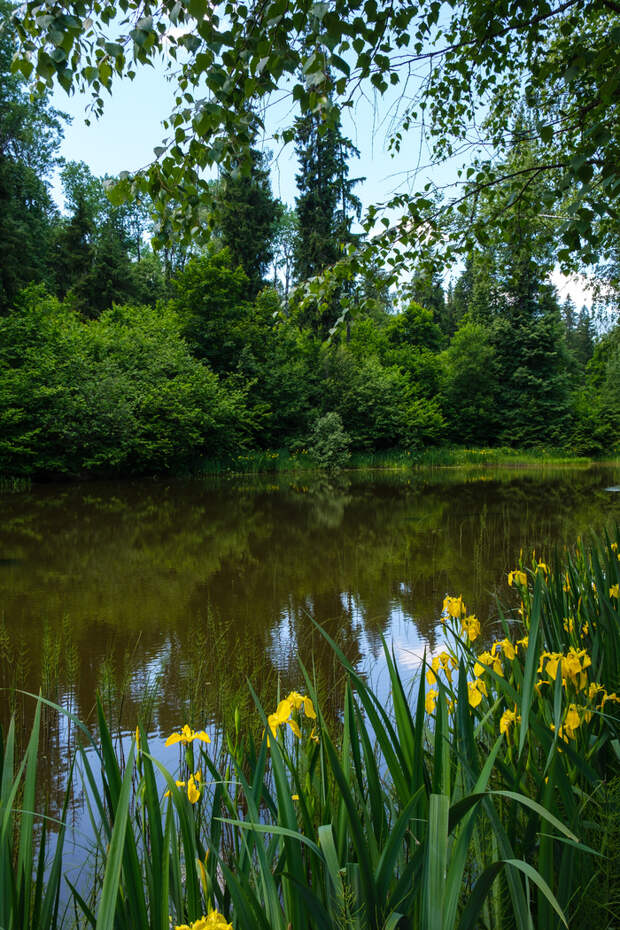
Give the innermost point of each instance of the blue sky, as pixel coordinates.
(124, 138)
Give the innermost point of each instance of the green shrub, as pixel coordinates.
(329, 444)
(119, 394)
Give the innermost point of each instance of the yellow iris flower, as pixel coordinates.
(193, 792)
(508, 719)
(187, 735)
(299, 701)
(454, 606)
(445, 662)
(283, 712)
(475, 689)
(486, 660)
(294, 701)
(430, 700)
(507, 649)
(471, 626)
(517, 577)
(572, 722)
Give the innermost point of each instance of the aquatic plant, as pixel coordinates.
(470, 799)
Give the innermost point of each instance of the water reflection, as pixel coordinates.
(167, 596)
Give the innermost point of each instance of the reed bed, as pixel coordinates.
(301, 460)
(483, 796)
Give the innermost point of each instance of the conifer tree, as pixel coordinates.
(326, 207)
(30, 131)
(326, 204)
(583, 339)
(246, 216)
(91, 250)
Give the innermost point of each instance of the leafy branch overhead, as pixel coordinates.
(455, 72)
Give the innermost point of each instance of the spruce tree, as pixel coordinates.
(91, 251)
(72, 251)
(426, 289)
(583, 338)
(326, 207)
(246, 217)
(326, 204)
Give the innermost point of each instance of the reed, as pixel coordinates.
(468, 801)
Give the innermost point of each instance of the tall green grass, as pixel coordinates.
(471, 799)
(456, 456)
(14, 485)
(281, 460)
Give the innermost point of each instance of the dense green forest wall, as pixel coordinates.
(115, 358)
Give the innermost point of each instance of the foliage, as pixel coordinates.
(29, 884)
(210, 299)
(328, 444)
(377, 404)
(597, 405)
(246, 217)
(285, 238)
(30, 133)
(326, 207)
(471, 84)
(470, 382)
(326, 202)
(120, 393)
(90, 249)
(491, 359)
(463, 800)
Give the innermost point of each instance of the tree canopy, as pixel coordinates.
(462, 69)
(30, 132)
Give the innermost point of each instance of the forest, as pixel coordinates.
(248, 702)
(127, 348)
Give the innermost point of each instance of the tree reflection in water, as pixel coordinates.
(168, 596)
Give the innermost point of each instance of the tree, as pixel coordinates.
(118, 394)
(476, 62)
(210, 299)
(425, 288)
(470, 385)
(90, 256)
(30, 132)
(582, 342)
(284, 245)
(326, 207)
(329, 444)
(597, 421)
(326, 204)
(246, 217)
(72, 250)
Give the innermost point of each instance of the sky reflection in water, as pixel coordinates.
(168, 595)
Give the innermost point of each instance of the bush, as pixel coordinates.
(121, 393)
(329, 444)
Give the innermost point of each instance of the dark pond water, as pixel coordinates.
(168, 596)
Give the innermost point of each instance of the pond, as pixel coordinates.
(168, 596)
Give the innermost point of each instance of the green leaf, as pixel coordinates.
(111, 878)
(436, 861)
